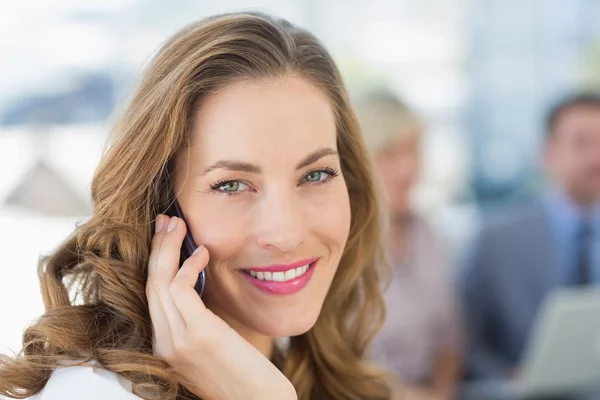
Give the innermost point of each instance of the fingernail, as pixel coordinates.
(172, 224)
(159, 223)
(198, 249)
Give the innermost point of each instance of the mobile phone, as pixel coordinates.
(188, 246)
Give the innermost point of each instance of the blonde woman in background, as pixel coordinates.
(420, 341)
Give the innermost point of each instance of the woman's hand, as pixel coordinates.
(213, 361)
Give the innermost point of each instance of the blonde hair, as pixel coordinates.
(104, 262)
(384, 120)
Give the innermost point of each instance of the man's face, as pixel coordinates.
(573, 153)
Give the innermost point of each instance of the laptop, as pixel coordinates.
(563, 351)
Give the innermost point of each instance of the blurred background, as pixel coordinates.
(481, 73)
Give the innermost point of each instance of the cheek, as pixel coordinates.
(221, 226)
(412, 167)
(328, 215)
(573, 165)
(561, 163)
(386, 170)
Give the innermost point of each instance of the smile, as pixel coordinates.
(282, 279)
(281, 276)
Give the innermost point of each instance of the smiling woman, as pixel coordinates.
(244, 118)
(263, 158)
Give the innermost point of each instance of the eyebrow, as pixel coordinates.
(316, 156)
(240, 166)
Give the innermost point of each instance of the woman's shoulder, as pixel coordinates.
(85, 382)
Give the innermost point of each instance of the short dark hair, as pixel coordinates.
(567, 103)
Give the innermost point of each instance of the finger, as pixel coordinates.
(161, 221)
(160, 324)
(167, 263)
(185, 297)
(157, 238)
(167, 258)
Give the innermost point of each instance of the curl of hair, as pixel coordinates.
(93, 285)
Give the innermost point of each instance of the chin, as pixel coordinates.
(289, 324)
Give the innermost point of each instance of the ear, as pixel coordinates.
(547, 156)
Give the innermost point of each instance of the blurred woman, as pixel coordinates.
(420, 341)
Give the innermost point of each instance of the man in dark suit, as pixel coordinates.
(554, 242)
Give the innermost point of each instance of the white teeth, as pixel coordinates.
(290, 274)
(280, 276)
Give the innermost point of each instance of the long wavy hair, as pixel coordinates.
(93, 285)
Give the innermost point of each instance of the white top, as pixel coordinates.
(90, 383)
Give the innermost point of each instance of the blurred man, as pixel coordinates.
(549, 244)
(421, 341)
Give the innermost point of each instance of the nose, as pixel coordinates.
(280, 223)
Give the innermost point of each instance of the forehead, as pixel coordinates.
(579, 115)
(252, 119)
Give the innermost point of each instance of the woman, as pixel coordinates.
(420, 340)
(247, 119)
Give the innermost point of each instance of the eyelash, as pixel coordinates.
(330, 172)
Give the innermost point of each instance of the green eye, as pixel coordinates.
(314, 176)
(230, 187)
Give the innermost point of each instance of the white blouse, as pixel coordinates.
(83, 382)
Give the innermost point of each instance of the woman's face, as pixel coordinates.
(264, 193)
(398, 165)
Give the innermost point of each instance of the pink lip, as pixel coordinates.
(281, 288)
(283, 267)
